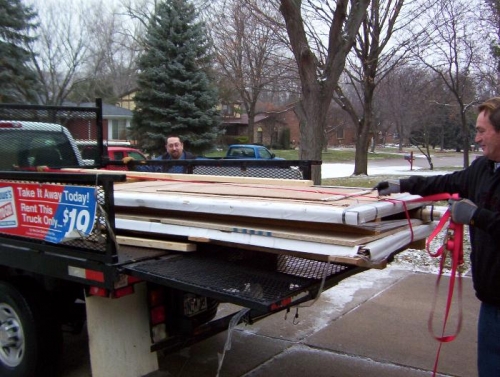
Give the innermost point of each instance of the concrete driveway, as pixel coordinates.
(372, 324)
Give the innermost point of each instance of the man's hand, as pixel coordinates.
(462, 211)
(388, 187)
(127, 159)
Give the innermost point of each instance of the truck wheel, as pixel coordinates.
(30, 340)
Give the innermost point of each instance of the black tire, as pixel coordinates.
(30, 337)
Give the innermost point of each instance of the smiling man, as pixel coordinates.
(479, 187)
(175, 151)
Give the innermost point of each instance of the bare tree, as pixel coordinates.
(320, 35)
(320, 65)
(247, 53)
(400, 99)
(60, 50)
(450, 49)
(375, 54)
(111, 65)
(492, 20)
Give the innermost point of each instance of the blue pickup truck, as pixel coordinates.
(250, 151)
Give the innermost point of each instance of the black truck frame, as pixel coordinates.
(262, 282)
(44, 285)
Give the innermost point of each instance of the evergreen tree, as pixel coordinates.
(175, 94)
(18, 82)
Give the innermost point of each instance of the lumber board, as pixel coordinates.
(156, 244)
(349, 213)
(324, 237)
(374, 251)
(149, 176)
(242, 190)
(370, 228)
(336, 224)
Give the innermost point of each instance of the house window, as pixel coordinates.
(227, 110)
(119, 129)
(259, 135)
(340, 133)
(232, 130)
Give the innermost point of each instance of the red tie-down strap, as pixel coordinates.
(453, 247)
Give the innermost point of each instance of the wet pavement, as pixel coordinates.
(371, 324)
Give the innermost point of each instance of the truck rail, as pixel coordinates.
(281, 169)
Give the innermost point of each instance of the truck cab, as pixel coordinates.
(26, 145)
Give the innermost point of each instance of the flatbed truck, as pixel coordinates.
(63, 263)
(136, 300)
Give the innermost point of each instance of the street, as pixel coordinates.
(399, 166)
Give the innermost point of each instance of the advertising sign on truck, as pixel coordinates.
(53, 213)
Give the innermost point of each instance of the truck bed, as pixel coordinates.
(260, 281)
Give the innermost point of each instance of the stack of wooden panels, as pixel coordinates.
(337, 224)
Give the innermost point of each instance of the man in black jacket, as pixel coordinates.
(479, 187)
(175, 151)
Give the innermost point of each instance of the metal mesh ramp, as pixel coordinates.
(264, 288)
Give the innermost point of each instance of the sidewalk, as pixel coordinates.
(372, 324)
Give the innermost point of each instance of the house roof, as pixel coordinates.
(108, 111)
(112, 110)
(244, 119)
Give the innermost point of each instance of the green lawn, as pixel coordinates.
(332, 155)
(347, 155)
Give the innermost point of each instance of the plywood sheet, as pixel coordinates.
(353, 212)
(373, 251)
(333, 237)
(155, 244)
(340, 196)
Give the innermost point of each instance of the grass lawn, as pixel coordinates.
(347, 155)
(332, 155)
(367, 181)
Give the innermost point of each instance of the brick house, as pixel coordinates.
(115, 121)
(269, 126)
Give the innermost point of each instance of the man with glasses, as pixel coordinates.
(175, 151)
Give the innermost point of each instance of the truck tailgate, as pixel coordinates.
(268, 285)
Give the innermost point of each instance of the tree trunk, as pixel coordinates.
(466, 144)
(311, 134)
(250, 131)
(317, 89)
(362, 143)
(363, 132)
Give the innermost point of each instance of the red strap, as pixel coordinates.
(453, 243)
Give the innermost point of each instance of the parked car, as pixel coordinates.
(117, 153)
(115, 150)
(250, 151)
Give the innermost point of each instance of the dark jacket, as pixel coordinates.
(185, 156)
(166, 169)
(481, 184)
